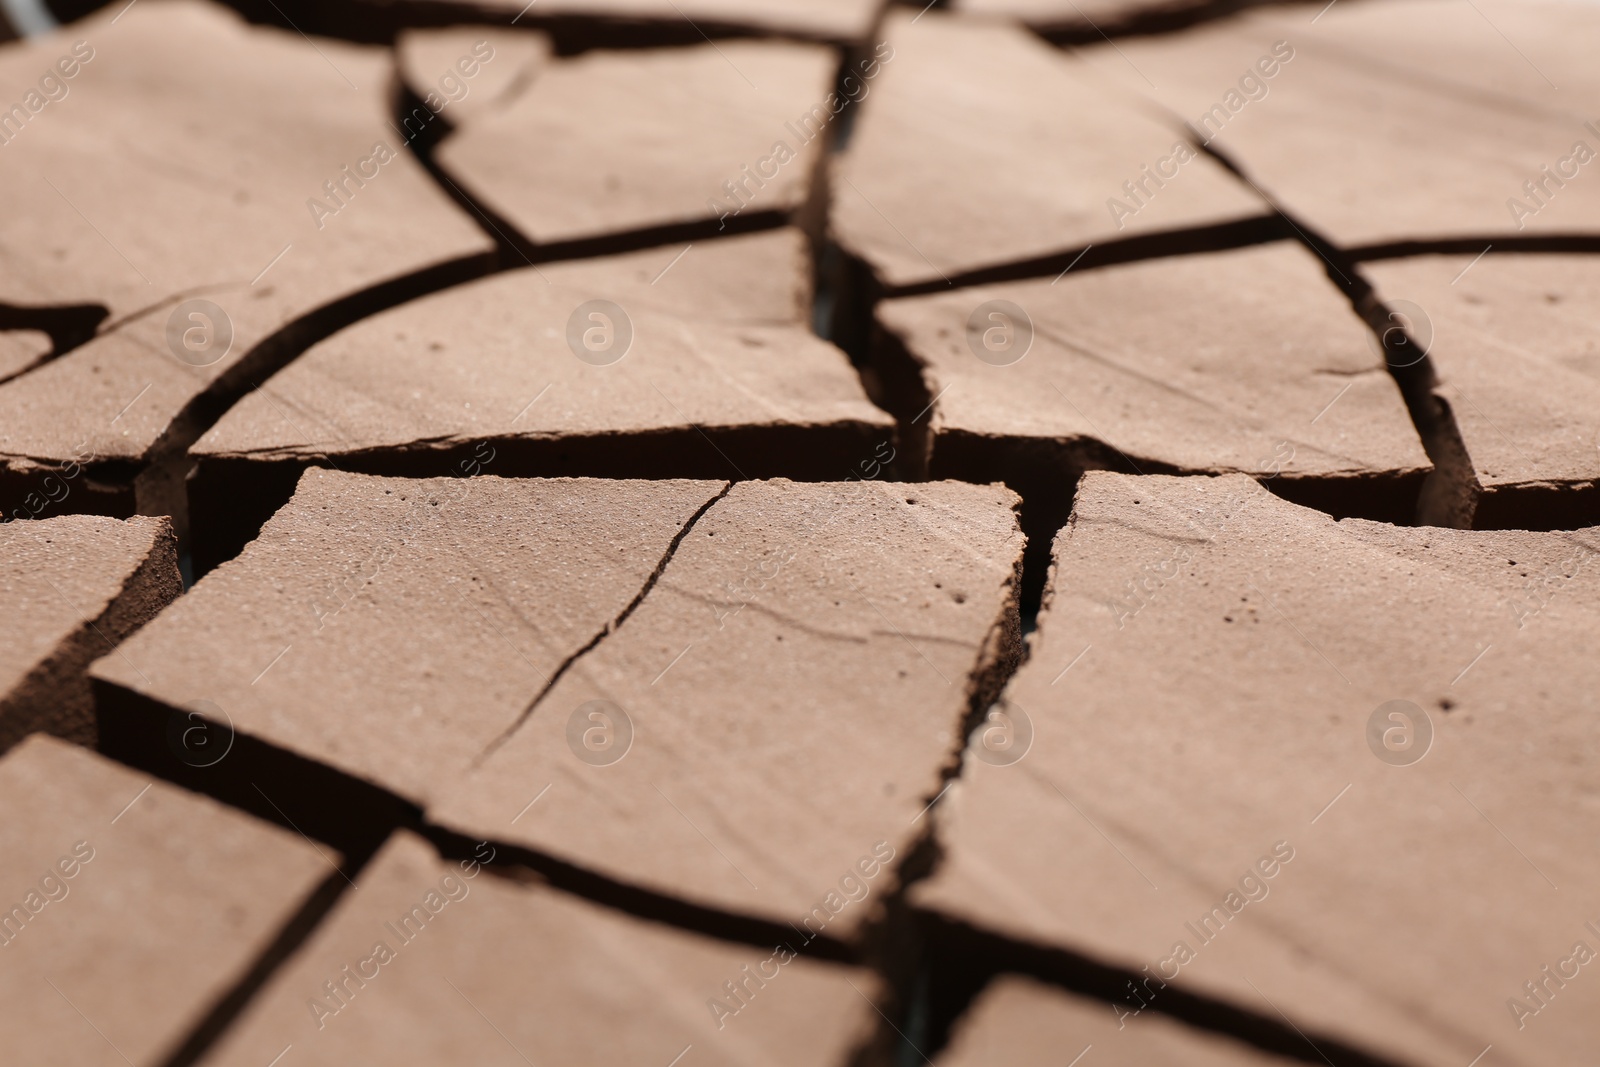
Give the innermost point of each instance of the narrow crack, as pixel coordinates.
(1449, 495)
(517, 249)
(610, 628)
(895, 946)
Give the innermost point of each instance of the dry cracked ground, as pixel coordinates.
(823, 533)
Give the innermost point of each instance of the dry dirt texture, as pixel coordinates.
(825, 533)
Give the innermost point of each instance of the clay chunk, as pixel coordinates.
(1024, 155)
(209, 183)
(1517, 353)
(1246, 361)
(391, 628)
(611, 142)
(432, 961)
(1021, 1023)
(131, 906)
(773, 720)
(1476, 138)
(1280, 763)
(71, 589)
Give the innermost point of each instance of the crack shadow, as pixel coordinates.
(963, 960)
(68, 326)
(380, 21)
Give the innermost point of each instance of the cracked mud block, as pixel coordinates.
(185, 162)
(433, 961)
(71, 589)
(1514, 343)
(1020, 1023)
(131, 906)
(1288, 765)
(1389, 122)
(392, 628)
(1254, 363)
(717, 377)
(463, 73)
(1018, 158)
(776, 715)
(651, 139)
